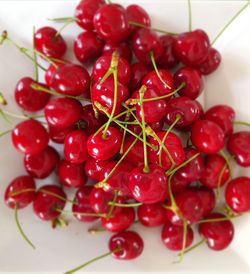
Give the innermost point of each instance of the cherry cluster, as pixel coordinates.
(120, 129)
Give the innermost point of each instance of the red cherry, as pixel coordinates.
(151, 215)
(148, 187)
(178, 183)
(202, 138)
(130, 243)
(135, 155)
(110, 22)
(71, 175)
(99, 200)
(28, 98)
(93, 168)
(51, 70)
(207, 198)
(58, 135)
(62, 113)
(237, 194)
(23, 199)
(138, 71)
(41, 165)
(45, 204)
(211, 63)
(172, 236)
(123, 49)
(30, 137)
(104, 147)
(49, 42)
(191, 48)
(218, 234)
(87, 46)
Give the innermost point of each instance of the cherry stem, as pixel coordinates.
(112, 206)
(87, 214)
(242, 123)
(3, 100)
(226, 158)
(3, 114)
(59, 221)
(35, 56)
(189, 16)
(218, 219)
(95, 230)
(194, 246)
(125, 205)
(20, 228)
(62, 19)
(219, 182)
(126, 122)
(136, 24)
(67, 23)
(181, 254)
(19, 116)
(230, 22)
(5, 132)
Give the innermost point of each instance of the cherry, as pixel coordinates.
(146, 42)
(45, 205)
(30, 137)
(237, 194)
(172, 236)
(49, 42)
(41, 165)
(122, 49)
(84, 13)
(110, 22)
(202, 138)
(130, 245)
(178, 183)
(82, 204)
(151, 215)
(148, 187)
(211, 175)
(138, 71)
(87, 46)
(223, 116)
(51, 70)
(104, 147)
(207, 198)
(71, 79)
(58, 135)
(93, 168)
(193, 82)
(62, 113)
(191, 48)
(23, 199)
(71, 175)
(218, 234)
(99, 199)
(75, 147)
(238, 146)
(211, 63)
(28, 98)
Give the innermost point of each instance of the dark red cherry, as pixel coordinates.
(62, 113)
(207, 136)
(71, 79)
(138, 71)
(49, 42)
(151, 215)
(218, 234)
(211, 63)
(93, 168)
(46, 204)
(58, 135)
(23, 199)
(207, 198)
(41, 165)
(30, 137)
(135, 155)
(104, 147)
(237, 194)
(191, 48)
(178, 183)
(145, 41)
(193, 82)
(99, 199)
(148, 187)
(223, 116)
(28, 98)
(214, 165)
(71, 175)
(87, 46)
(51, 70)
(111, 24)
(123, 49)
(173, 236)
(130, 243)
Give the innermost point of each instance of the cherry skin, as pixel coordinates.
(99, 199)
(238, 146)
(138, 71)
(28, 98)
(130, 243)
(51, 70)
(202, 138)
(30, 137)
(237, 194)
(218, 234)
(104, 147)
(62, 113)
(193, 82)
(45, 204)
(93, 168)
(87, 46)
(58, 135)
(172, 236)
(223, 116)
(211, 63)
(75, 147)
(148, 187)
(71, 79)
(151, 215)
(110, 22)
(23, 199)
(178, 183)
(49, 42)
(208, 200)
(41, 165)
(71, 175)
(123, 49)
(191, 48)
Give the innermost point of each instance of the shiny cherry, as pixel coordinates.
(208, 199)
(151, 215)
(123, 49)
(93, 168)
(138, 71)
(58, 135)
(51, 70)
(99, 199)
(178, 183)
(211, 63)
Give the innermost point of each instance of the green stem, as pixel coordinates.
(189, 16)
(35, 56)
(242, 123)
(132, 23)
(5, 132)
(3, 100)
(96, 230)
(219, 181)
(112, 206)
(87, 214)
(62, 19)
(223, 154)
(3, 114)
(67, 23)
(125, 205)
(218, 219)
(195, 246)
(181, 254)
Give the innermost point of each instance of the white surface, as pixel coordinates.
(61, 249)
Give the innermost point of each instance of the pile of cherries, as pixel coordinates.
(120, 128)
